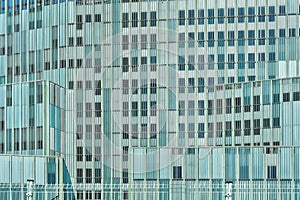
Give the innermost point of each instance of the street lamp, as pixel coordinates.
(29, 189)
(228, 194)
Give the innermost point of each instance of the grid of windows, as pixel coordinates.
(132, 82)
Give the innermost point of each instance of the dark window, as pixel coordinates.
(292, 32)
(266, 123)
(191, 17)
(143, 19)
(241, 15)
(256, 103)
(276, 98)
(272, 172)
(88, 18)
(281, 10)
(88, 175)
(261, 14)
(247, 126)
(71, 63)
(228, 129)
(71, 41)
(276, 122)
(79, 63)
(97, 17)
(79, 41)
(237, 105)
(238, 127)
(201, 16)
(125, 20)
(177, 172)
(47, 66)
(272, 56)
(134, 108)
(228, 105)
(221, 15)
(153, 18)
(210, 108)
(286, 97)
(251, 14)
(256, 125)
(281, 32)
(271, 13)
(210, 16)
(181, 14)
(296, 96)
(230, 15)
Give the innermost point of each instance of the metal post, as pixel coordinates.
(29, 193)
(228, 194)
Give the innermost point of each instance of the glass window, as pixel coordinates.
(221, 15)
(281, 32)
(200, 36)
(292, 32)
(271, 33)
(271, 13)
(272, 172)
(282, 10)
(221, 38)
(230, 79)
(261, 14)
(241, 57)
(261, 36)
(230, 61)
(221, 58)
(266, 123)
(211, 16)
(272, 37)
(191, 16)
(251, 57)
(97, 17)
(286, 97)
(241, 34)
(88, 18)
(241, 15)
(210, 12)
(251, 14)
(272, 56)
(230, 15)
(296, 96)
(271, 10)
(251, 11)
(177, 172)
(153, 18)
(251, 78)
(201, 16)
(251, 37)
(221, 35)
(261, 57)
(210, 39)
(201, 13)
(210, 35)
(230, 57)
(251, 34)
(134, 17)
(256, 103)
(143, 19)
(181, 17)
(125, 20)
(230, 38)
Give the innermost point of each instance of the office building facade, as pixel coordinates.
(111, 99)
